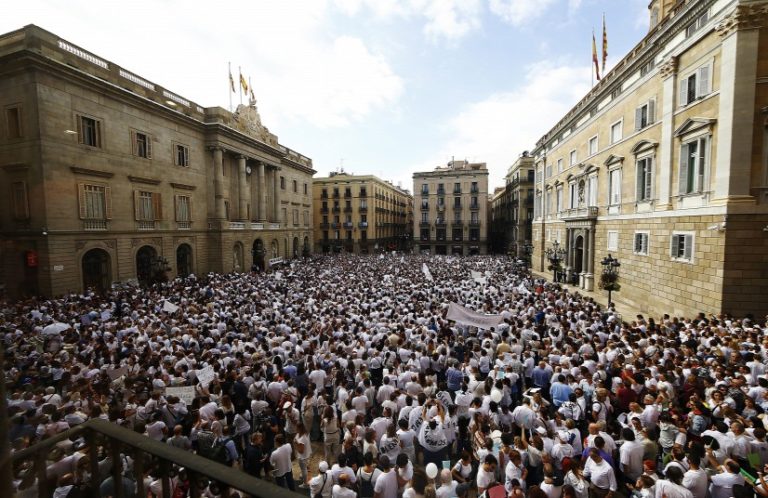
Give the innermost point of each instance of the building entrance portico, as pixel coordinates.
(581, 255)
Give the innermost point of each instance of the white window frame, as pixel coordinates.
(620, 124)
(590, 197)
(183, 208)
(644, 246)
(702, 84)
(614, 198)
(559, 199)
(645, 115)
(593, 150)
(612, 245)
(560, 165)
(644, 183)
(572, 158)
(573, 195)
(689, 247)
(180, 155)
(701, 170)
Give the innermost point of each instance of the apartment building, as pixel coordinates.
(512, 210)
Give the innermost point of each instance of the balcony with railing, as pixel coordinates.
(457, 223)
(145, 225)
(110, 448)
(348, 225)
(440, 222)
(324, 210)
(95, 225)
(424, 224)
(335, 225)
(456, 206)
(474, 223)
(183, 225)
(474, 206)
(336, 194)
(580, 213)
(336, 209)
(347, 194)
(236, 225)
(363, 224)
(348, 209)
(363, 209)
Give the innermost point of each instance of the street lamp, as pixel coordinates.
(609, 278)
(555, 254)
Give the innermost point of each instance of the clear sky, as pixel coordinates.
(384, 87)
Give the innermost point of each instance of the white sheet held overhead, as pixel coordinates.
(466, 316)
(426, 272)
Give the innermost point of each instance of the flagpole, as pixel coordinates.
(229, 86)
(591, 62)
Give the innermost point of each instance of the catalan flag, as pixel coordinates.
(605, 44)
(594, 56)
(243, 83)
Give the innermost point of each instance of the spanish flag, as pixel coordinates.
(605, 44)
(594, 56)
(243, 84)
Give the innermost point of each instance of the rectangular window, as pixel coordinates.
(645, 115)
(694, 163)
(593, 145)
(295, 186)
(425, 217)
(457, 202)
(614, 187)
(20, 201)
(696, 85)
(572, 158)
(697, 24)
(424, 189)
(474, 234)
(613, 240)
(95, 202)
(425, 203)
(644, 179)
(617, 131)
(306, 189)
(548, 171)
(363, 235)
(181, 155)
(473, 188)
(473, 203)
(284, 217)
(474, 217)
(457, 188)
(424, 235)
(296, 217)
(560, 165)
(457, 233)
(142, 144)
(88, 131)
(13, 121)
(592, 191)
(183, 211)
(147, 206)
(337, 235)
(681, 247)
(559, 201)
(640, 246)
(325, 234)
(572, 196)
(282, 182)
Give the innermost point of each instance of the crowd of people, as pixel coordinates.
(342, 377)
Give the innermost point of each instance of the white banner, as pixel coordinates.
(460, 314)
(426, 272)
(185, 393)
(205, 376)
(170, 307)
(522, 290)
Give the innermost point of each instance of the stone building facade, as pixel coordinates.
(107, 177)
(512, 210)
(664, 165)
(360, 214)
(451, 209)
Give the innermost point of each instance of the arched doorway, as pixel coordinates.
(145, 256)
(295, 247)
(578, 254)
(306, 250)
(96, 270)
(184, 260)
(258, 254)
(237, 257)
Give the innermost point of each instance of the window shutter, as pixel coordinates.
(81, 200)
(186, 156)
(640, 180)
(108, 203)
(176, 207)
(648, 178)
(638, 118)
(79, 126)
(136, 206)
(134, 144)
(651, 111)
(673, 246)
(98, 133)
(688, 240)
(149, 146)
(683, 92)
(683, 171)
(703, 81)
(157, 206)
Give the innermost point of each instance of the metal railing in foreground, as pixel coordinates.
(147, 455)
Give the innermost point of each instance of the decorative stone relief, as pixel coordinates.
(247, 120)
(668, 68)
(743, 17)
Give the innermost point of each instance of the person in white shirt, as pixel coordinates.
(631, 455)
(486, 474)
(448, 485)
(322, 483)
(672, 486)
(342, 490)
(280, 459)
(303, 452)
(723, 483)
(696, 479)
(600, 474)
(386, 485)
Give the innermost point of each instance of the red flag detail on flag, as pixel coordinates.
(605, 44)
(594, 56)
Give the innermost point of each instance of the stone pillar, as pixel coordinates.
(589, 266)
(667, 111)
(218, 181)
(262, 193)
(276, 194)
(738, 69)
(242, 188)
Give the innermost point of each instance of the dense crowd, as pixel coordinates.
(354, 359)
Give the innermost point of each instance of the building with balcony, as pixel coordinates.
(512, 210)
(664, 165)
(360, 214)
(451, 209)
(108, 177)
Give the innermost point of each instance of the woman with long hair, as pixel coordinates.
(329, 425)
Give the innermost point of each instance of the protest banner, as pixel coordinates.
(205, 376)
(463, 315)
(184, 393)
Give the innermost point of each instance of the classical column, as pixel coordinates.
(665, 164)
(262, 193)
(585, 252)
(276, 194)
(218, 181)
(242, 188)
(738, 69)
(591, 258)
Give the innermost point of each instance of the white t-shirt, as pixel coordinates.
(307, 446)
(386, 485)
(485, 479)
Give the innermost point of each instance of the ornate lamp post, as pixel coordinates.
(609, 278)
(555, 255)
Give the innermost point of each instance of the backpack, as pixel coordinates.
(214, 448)
(366, 487)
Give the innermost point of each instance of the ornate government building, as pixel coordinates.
(108, 177)
(664, 165)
